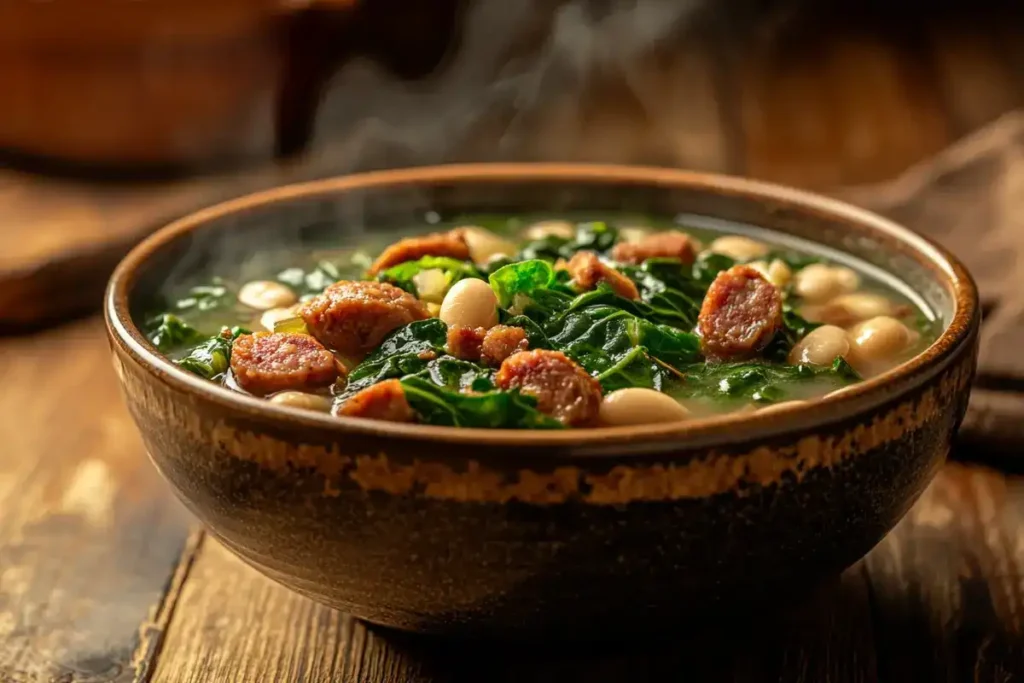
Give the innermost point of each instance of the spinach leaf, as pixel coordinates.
(547, 248)
(402, 275)
(456, 374)
(524, 279)
(210, 359)
(599, 337)
(843, 369)
(438, 405)
(635, 369)
(665, 308)
(594, 236)
(169, 332)
(405, 351)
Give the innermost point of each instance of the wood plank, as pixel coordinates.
(90, 538)
(947, 583)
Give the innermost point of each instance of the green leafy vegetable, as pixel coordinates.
(403, 274)
(599, 337)
(456, 374)
(210, 359)
(594, 236)
(438, 405)
(635, 369)
(405, 351)
(843, 369)
(525, 279)
(169, 332)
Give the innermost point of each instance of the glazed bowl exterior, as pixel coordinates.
(501, 532)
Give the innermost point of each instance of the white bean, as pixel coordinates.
(779, 274)
(632, 234)
(862, 305)
(776, 272)
(299, 399)
(266, 294)
(636, 406)
(846, 277)
(820, 346)
(819, 282)
(563, 229)
(879, 339)
(470, 303)
(739, 248)
(276, 315)
(430, 285)
(485, 245)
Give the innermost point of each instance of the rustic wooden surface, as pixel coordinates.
(104, 580)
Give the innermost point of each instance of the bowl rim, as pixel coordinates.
(764, 423)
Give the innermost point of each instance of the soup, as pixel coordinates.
(545, 324)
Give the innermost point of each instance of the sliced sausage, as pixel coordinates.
(490, 347)
(451, 243)
(587, 270)
(267, 362)
(741, 313)
(562, 388)
(465, 342)
(382, 401)
(670, 244)
(353, 318)
(500, 342)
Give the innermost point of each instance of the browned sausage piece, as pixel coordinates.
(587, 270)
(267, 362)
(451, 243)
(563, 389)
(670, 244)
(500, 342)
(490, 347)
(382, 401)
(465, 342)
(354, 317)
(740, 314)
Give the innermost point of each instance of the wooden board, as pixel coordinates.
(91, 540)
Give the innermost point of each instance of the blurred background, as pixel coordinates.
(118, 115)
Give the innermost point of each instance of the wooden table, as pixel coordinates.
(104, 577)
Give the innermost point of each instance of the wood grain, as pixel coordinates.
(90, 538)
(939, 599)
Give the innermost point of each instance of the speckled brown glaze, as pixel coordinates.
(439, 529)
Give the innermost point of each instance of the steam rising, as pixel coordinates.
(519, 62)
(519, 86)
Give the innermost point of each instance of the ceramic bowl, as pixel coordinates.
(545, 533)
